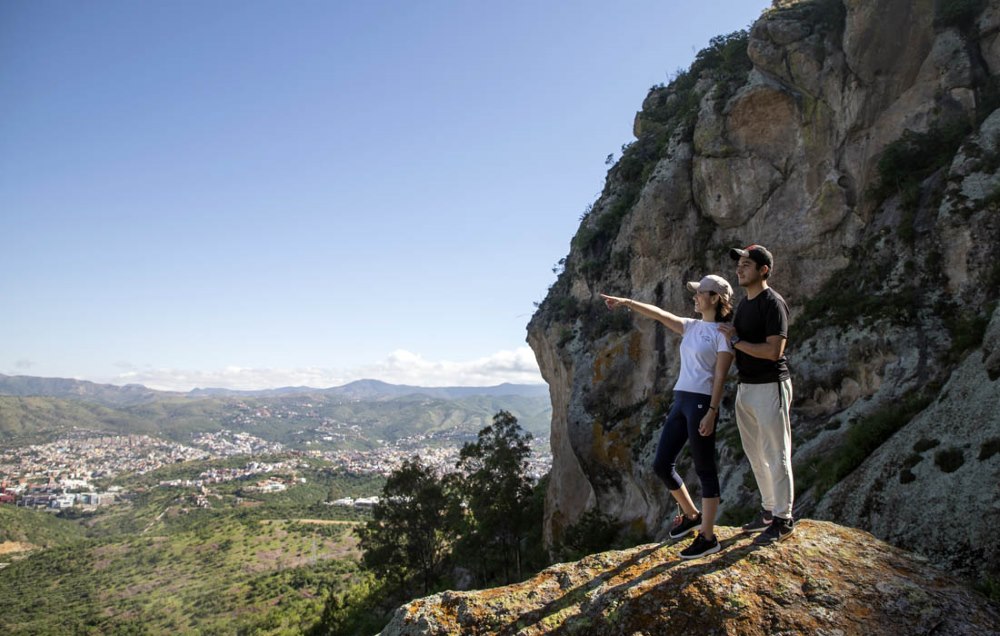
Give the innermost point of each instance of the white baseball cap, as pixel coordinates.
(713, 283)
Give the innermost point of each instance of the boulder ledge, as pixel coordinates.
(825, 579)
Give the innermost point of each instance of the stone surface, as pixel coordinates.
(825, 579)
(789, 160)
(934, 487)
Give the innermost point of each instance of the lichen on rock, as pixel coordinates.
(824, 579)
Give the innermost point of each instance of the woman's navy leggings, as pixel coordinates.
(682, 426)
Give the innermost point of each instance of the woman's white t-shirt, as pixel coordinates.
(700, 345)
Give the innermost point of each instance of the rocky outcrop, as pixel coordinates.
(825, 579)
(857, 140)
(937, 481)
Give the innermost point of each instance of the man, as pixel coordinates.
(758, 335)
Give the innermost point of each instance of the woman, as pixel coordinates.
(706, 356)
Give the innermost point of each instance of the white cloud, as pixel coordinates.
(400, 367)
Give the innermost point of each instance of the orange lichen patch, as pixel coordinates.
(604, 360)
(635, 346)
(612, 447)
(822, 579)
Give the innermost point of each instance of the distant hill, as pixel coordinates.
(378, 390)
(375, 389)
(361, 414)
(290, 420)
(130, 394)
(69, 389)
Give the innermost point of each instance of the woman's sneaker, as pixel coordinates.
(759, 524)
(701, 547)
(683, 526)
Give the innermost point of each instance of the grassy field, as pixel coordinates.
(161, 565)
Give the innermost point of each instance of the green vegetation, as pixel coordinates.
(669, 111)
(989, 448)
(825, 15)
(25, 420)
(594, 532)
(960, 14)
(484, 521)
(595, 319)
(737, 514)
(162, 581)
(724, 62)
(408, 536)
(355, 610)
(949, 459)
(989, 587)
(907, 162)
(496, 491)
(162, 565)
(861, 440)
(853, 295)
(967, 329)
(40, 529)
(290, 420)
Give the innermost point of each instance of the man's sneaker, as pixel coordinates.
(779, 530)
(683, 525)
(701, 547)
(759, 524)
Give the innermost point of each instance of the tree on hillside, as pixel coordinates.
(497, 491)
(407, 536)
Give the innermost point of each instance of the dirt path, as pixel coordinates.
(154, 521)
(6, 547)
(317, 522)
(327, 522)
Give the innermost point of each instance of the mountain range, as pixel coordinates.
(355, 415)
(115, 395)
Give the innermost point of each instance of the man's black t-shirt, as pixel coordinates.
(755, 320)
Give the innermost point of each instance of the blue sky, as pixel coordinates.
(252, 194)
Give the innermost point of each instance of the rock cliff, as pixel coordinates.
(827, 580)
(859, 141)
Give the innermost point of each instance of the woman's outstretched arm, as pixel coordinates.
(672, 322)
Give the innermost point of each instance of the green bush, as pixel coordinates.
(824, 15)
(861, 440)
(356, 611)
(852, 298)
(949, 459)
(960, 14)
(967, 330)
(725, 61)
(907, 162)
(594, 532)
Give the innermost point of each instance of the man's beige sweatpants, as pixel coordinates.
(762, 415)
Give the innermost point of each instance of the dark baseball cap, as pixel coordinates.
(757, 253)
